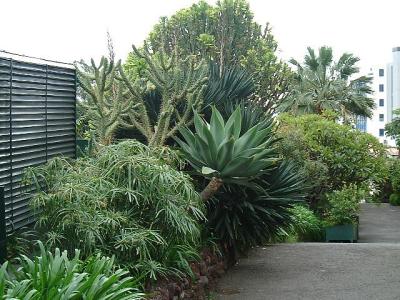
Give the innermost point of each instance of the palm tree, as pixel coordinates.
(323, 84)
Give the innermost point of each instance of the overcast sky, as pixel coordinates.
(68, 30)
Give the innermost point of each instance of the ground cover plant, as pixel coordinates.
(59, 276)
(129, 201)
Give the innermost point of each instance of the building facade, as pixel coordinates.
(386, 85)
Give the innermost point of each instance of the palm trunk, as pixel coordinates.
(211, 188)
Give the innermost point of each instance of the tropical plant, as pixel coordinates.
(344, 205)
(305, 225)
(330, 154)
(20, 241)
(322, 84)
(227, 35)
(105, 103)
(227, 87)
(129, 201)
(116, 99)
(394, 175)
(242, 217)
(394, 199)
(56, 276)
(223, 153)
(392, 128)
(180, 84)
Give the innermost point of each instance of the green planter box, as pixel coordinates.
(347, 232)
(82, 147)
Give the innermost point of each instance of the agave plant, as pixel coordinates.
(222, 152)
(242, 217)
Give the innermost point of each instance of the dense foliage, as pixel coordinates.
(344, 205)
(394, 199)
(393, 128)
(322, 83)
(225, 34)
(305, 225)
(207, 78)
(242, 217)
(156, 105)
(129, 201)
(330, 154)
(56, 276)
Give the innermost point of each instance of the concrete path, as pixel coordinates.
(379, 223)
(315, 272)
(324, 271)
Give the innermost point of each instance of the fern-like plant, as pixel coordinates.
(129, 201)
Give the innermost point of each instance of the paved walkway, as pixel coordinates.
(322, 271)
(379, 223)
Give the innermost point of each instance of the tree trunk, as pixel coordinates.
(211, 188)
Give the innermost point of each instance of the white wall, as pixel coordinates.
(374, 124)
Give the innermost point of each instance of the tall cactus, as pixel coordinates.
(181, 83)
(106, 103)
(115, 100)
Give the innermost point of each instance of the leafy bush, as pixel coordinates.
(56, 277)
(344, 205)
(130, 200)
(330, 154)
(305, 225)
(394, 199)
(19, 242)
(394, 174)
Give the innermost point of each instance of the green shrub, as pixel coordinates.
(394, 174)
(129, 200)
(331, 155)
(344, 205)
(58, 277)
(305, 225)
(394, 199)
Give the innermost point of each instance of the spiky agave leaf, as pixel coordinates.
(221, 149)
(242, 217)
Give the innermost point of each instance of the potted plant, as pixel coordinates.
(342, 215)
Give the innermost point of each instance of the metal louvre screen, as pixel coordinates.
(37, 122)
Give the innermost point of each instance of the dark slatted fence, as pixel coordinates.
(37, 122)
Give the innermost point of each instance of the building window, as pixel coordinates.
(381, 88)
(381, 117)
(381, 132)
(361, 123)
(381, 102)
(381, 72)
